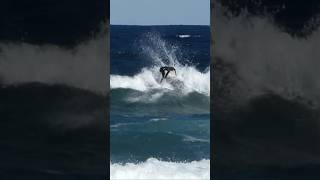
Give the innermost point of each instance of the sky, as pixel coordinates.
(160, 12)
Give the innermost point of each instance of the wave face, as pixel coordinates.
(159, 101)
(159, 126)
(59, 124)
(155, 169)
(266, 93)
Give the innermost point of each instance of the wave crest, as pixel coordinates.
(188, 79)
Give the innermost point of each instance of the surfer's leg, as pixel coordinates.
(161, 79)
(163, 73)
(166, 74)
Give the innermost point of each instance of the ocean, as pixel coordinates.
(159, 130)
(53, 89)
(266, 90)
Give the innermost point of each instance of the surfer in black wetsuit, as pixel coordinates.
(165, 71)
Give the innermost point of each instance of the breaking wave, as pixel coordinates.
(188, 78)
(265, 58)
(156, 169)
(84, 66)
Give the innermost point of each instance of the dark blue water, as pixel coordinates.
(126, 41)
(266, 105)
(148, 119)
(52, 128)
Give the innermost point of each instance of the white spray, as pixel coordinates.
(163, 54)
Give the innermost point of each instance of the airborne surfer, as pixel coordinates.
(165, 71)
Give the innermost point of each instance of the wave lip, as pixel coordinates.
(156, 169)
(188, 80)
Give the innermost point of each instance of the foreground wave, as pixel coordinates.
(156, 169)
(59, 124)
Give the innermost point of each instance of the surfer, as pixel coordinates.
(165, 71)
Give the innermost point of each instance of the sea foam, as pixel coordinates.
(188, 80)
(156, 169)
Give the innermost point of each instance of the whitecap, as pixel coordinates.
(156, 169)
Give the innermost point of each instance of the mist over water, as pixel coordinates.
(266, 95)
(267, 59)
(83, 66)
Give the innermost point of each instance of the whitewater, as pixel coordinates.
(155, 169)
(188, 78)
